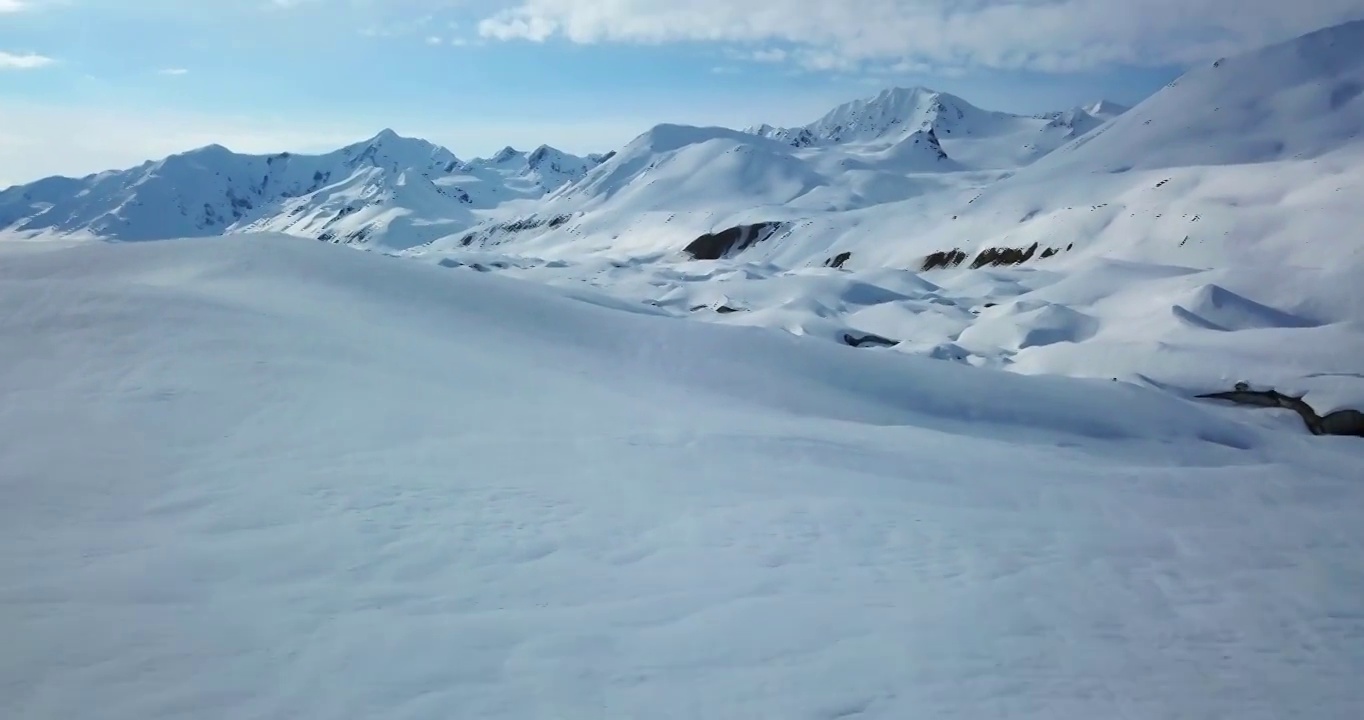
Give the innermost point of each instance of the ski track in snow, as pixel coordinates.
(267, 477)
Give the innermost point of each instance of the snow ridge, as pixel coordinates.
(390, 190)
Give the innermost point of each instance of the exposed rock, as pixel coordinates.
(714, 246)
(943, 259)
(1341, 422)
(838, 260)
(868, 339)
(1004, 256)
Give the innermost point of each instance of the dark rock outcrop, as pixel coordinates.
(721, 309)
(1341, 422)
(726, 243)
(865, 339)
(838, 260)
(992, 256)
(1004, 256)
(943, 259)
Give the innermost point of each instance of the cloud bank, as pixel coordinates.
(1044, 35)
(23, 61)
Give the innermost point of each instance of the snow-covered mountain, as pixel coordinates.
(674, 182)
(1105, 109)
(894, 110)
(1258, 151)
(258, 475)
(1260, 154)
(977, 138)
(395, 192)
(390, 190)
(1202, 237)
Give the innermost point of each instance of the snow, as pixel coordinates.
(388, 192)
(264, 476)
(978, 138)
(1200, 238)
(531, 459)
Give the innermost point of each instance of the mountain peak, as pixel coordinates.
(213, 155)
(897, 91)
(555, 158)
(210, 149)
(389, 137)
(386, 135)
(892, 110)
(505, 154)
(1105, 109)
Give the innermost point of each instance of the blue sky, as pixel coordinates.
(87, 85)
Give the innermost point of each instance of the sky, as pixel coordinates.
(90, 85)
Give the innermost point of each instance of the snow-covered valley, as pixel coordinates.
(918, 437)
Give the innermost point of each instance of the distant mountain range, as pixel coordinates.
(1259, 154)
(389, 188)
(397, 192)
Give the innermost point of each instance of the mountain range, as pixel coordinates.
(1261, 155)
(398, 189)
(1203, 169)
(398, 192)
(918, 410)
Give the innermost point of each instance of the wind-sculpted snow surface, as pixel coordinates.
(260, 476)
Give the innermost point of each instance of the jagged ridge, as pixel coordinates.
(392, 189)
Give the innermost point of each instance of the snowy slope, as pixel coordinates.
(1202, 238)
(980, 139)
(389, 191)
(675, 183)
(1257, 155)
(1257, 158)
(267, 477)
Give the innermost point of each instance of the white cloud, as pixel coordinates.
(172, 71)
(23, 61)
(1048, 35)
(12, 6)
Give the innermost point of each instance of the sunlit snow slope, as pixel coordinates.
(269, 477)
(385, 192)
(1205, 237)
(1250, 158)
